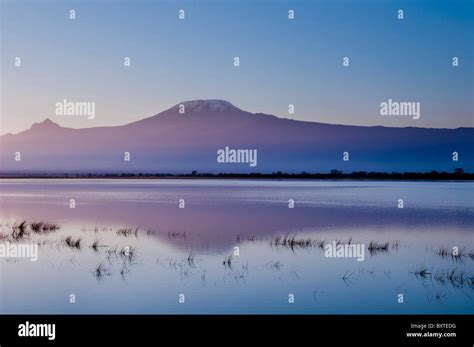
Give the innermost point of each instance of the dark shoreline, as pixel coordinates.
(457, 175)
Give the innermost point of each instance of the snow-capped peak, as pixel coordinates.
(206, 106)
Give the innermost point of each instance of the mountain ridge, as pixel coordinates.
(201, 106)
(171, 141)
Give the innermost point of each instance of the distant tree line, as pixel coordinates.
(457, 174)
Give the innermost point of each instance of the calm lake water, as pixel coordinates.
(117, 268)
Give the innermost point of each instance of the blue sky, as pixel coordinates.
(282, 62)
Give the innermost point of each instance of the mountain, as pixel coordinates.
(188, 136)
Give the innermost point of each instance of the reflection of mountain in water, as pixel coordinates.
(213, 227)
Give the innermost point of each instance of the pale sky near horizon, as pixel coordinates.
(282, 61)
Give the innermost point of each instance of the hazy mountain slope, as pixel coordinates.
(175, 142)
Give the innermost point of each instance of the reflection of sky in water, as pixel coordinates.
(436, 215)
